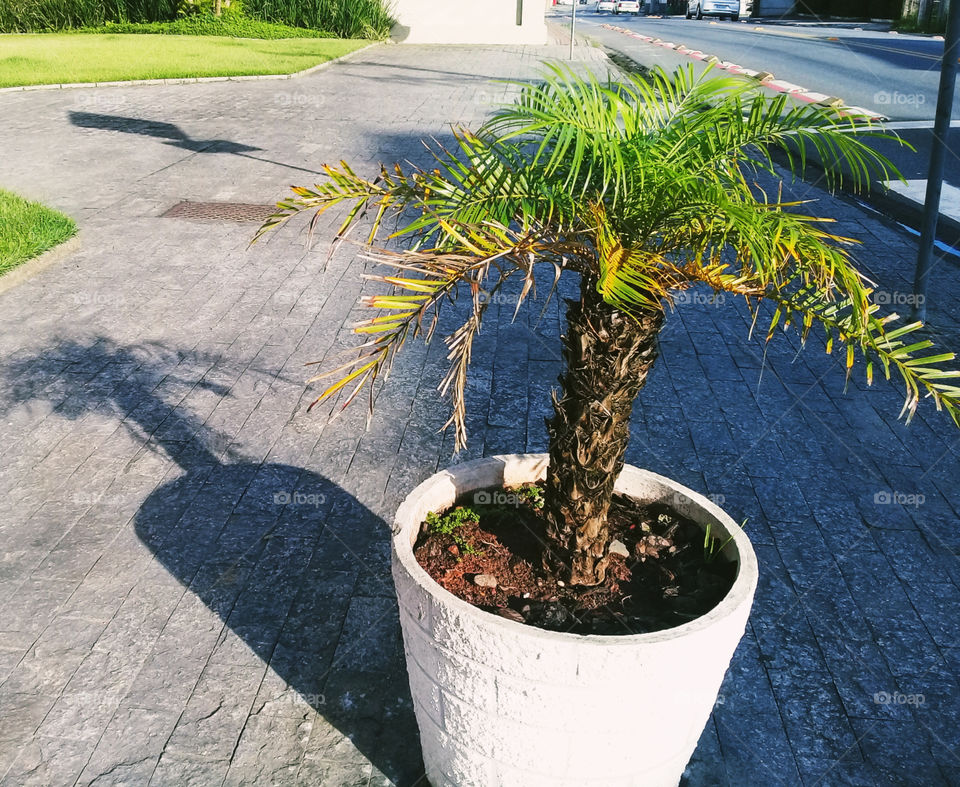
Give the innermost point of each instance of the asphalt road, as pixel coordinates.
(895, 75)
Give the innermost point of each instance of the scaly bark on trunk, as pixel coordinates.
(608, 355)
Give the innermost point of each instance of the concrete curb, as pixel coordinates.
(191, 80)
(889, 203)
(32, 267)
(909, 212)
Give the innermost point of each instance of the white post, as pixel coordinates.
(573, 27)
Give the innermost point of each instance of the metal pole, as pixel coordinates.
(573, 25)
(941, 128)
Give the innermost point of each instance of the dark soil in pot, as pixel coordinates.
(490, 555)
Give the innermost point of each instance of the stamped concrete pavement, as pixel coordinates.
(194, 580)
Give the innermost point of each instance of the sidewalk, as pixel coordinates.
(194, 583)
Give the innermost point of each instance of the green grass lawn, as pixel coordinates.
(52, 58)
(28, 229)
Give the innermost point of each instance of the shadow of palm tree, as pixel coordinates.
(158, 129)
(294, 565)
(172, 135)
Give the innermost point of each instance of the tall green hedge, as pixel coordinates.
(343, 18)
(25, 16)
(348, 18)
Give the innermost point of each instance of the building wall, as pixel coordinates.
(469, 22)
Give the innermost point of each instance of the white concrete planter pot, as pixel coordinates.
(500, 704)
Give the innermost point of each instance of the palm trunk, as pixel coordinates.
(608, 356)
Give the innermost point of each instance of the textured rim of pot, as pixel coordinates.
(405, 531)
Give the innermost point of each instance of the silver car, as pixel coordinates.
(702, 8)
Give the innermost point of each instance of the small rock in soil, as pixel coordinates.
(619, 548)
(650, 546)
(485, 580)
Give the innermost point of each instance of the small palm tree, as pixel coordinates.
(643, 188)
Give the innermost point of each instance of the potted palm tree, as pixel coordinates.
(641, 188)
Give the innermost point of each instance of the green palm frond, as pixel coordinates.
(750, 127)
(421, 282)
(343, 186)
(634, 279)
(862, 332)
(922, 373)
(645, 185)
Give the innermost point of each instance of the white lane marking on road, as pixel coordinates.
(772, 32)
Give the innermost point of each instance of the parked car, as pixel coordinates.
(627, 7)
(606, 5)
(702, 8)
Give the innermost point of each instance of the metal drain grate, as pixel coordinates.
(220, 211)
